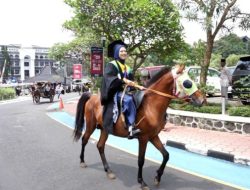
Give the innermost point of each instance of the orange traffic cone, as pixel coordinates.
(61, 106)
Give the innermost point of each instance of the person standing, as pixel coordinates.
(225, 79)
(59, 90)
(116, 74)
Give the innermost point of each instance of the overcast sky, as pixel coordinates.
(33, 22)
(39, 22)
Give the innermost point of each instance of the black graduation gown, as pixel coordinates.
(110, 85)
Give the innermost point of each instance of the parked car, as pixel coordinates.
(241, 80)
(213, 76)
(147, 73)
(213, 79)
(78, 83)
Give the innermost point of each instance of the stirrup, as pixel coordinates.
(133, 133)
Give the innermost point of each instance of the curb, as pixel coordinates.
(210, 153)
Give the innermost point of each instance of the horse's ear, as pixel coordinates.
(180, 69)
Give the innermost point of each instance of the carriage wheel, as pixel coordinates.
(37, 99)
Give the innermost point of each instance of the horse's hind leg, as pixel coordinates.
(158, 144)
(85, 140)
(101, 147)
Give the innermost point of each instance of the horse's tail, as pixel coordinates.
(79, 120)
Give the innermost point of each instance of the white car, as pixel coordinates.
(78, 83)
(213, 79)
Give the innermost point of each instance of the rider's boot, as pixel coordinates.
(133, 132)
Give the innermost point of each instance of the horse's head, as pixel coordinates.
(185, 86)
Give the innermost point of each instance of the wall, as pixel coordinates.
(216, 122)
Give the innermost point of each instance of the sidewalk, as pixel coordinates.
(223, 145)
(16, 99)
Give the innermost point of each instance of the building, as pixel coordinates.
(26, 62)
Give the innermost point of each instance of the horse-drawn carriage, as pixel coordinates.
(43, 89)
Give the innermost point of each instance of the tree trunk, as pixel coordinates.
(207, 57)
(1, 79)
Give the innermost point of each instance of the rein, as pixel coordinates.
(159, 93)
(154, 91)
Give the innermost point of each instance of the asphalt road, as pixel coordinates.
(37, 153)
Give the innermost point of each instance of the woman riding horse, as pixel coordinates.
(150, 119)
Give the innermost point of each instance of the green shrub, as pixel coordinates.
(211, 108)
(203, 109)
(7, 93)
(243, 111)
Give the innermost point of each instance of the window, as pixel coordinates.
(37, 71)
(26, 57)
(244, 66)
(26, 64)
(194, 72)
(26, 73)
(41, 63)
(213, 73)
(16, 71)
(16, 63)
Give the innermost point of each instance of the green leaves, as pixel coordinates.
(148, 26)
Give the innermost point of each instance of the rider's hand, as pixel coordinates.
(129, 82)
(141, 87)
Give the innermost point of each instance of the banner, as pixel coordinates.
(77, 71)
(96, 61)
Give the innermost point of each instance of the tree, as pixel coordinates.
(77, 50)
(5, 69)
(229, 44)
(198, 50)
(214, 16)
(146, 26)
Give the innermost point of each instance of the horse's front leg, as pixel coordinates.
(158, 144)
(101, 147)
(141, 160)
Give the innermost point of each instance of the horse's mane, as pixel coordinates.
(158, 75)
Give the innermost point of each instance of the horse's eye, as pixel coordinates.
(187, 84)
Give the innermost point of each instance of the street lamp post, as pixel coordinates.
(103, 39)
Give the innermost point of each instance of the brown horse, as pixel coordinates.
(151, 118)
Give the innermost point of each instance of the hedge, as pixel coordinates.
(7, 93)
(212, 108)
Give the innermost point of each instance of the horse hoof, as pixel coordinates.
(111, 175)
(145, 188)
(156, 182)
(83, 165)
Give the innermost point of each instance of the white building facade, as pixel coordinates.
(25, 62)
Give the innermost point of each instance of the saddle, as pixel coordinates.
(138, 96)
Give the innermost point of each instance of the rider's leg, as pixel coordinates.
(129, 111)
